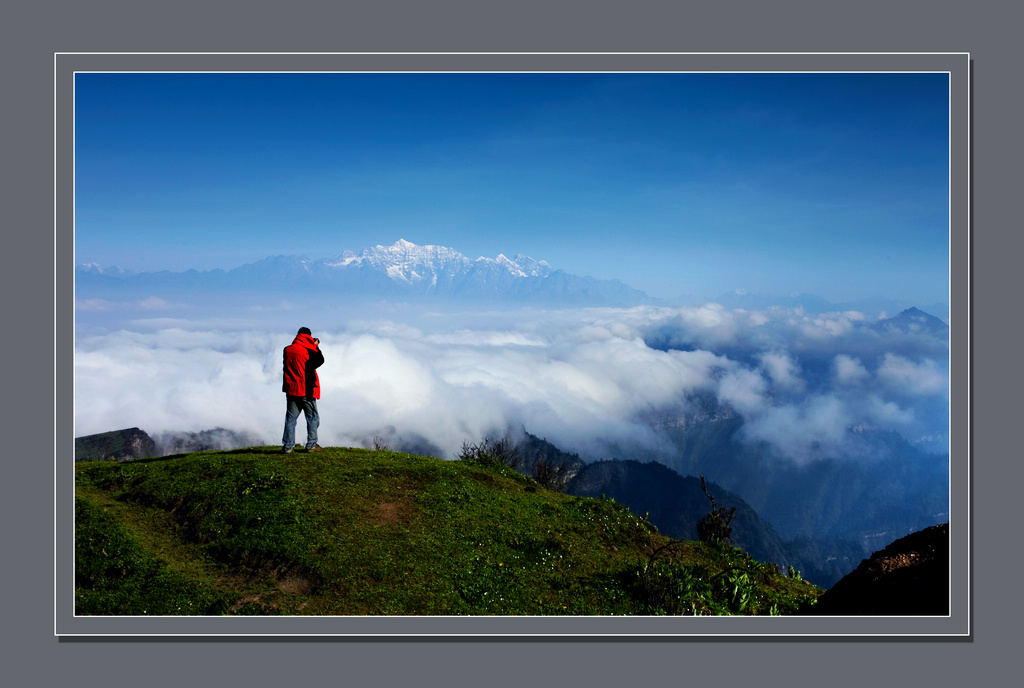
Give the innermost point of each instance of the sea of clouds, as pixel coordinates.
(584, 379)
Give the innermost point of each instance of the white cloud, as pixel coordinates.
(486, 338)
(575, 377)
(746, 391)
(783, 371)
(132, 379)
(849, 370)
(94, 305)
(154, 303)
(816, 427)
(831, 324)
(913, 378)
(887, 413)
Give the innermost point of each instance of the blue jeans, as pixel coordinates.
(308, 408)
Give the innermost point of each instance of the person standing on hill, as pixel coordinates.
(302, 385)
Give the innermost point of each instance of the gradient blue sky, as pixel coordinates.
(677, 184)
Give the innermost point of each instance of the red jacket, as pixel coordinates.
(301, 359)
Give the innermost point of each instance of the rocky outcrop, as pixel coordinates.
(217, 439)
(910, 577)
(119, 445)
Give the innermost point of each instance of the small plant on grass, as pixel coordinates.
(715, 525)
(689, 578)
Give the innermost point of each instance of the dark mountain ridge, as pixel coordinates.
(133, 443)
(675, 504)
(888, 490)
(909, 577)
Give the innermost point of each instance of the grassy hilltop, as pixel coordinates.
(362, 532)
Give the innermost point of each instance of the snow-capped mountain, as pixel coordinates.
(97, 269)
(405, 262)
(402, 270)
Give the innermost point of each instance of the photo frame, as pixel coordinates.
(956, 625)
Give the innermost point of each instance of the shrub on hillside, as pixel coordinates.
(552, 476)
(503, 452)
(715, 525)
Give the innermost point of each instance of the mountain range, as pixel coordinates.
(409, 272)
(811, 303)
(403, 270)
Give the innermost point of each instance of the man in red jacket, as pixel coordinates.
(302, 385)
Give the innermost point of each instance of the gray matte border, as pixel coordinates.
(955, 626)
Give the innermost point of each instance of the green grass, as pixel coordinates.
(360, 532)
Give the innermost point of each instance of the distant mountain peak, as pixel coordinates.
(913, 321)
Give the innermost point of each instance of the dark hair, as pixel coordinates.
(304, 330)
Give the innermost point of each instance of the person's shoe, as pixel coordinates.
(315, 447)
(287, 451)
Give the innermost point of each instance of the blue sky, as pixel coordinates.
(677, 184)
